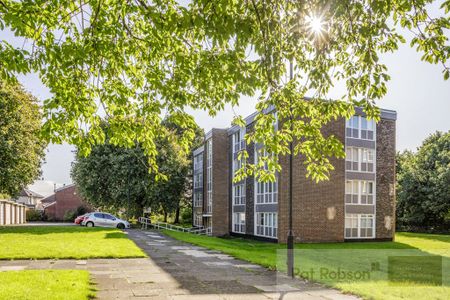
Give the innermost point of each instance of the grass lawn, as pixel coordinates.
(45, 284)
(43, 242)
(415, 266)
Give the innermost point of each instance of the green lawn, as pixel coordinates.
(415, 266)
(45, 284)
(42, 242)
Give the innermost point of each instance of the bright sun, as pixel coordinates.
(315, 24)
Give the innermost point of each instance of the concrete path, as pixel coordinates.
(202, 273)
(177, 270)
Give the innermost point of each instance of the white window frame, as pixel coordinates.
(239, 194)
(266, 224)
(238, 222)
(356, 122)
(360, 156)
(239, 140)
(356, 221)
(198, 161)
(359, 188)
(198, 180)
(265, 192)
(198, 199)
(198, 220)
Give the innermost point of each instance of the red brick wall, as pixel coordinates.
(66, 199)
(318, 209)
(220, 169)
(385, 190)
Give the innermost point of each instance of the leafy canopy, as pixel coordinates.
(116, 178)
(423, 197)
(133, 61)
(21, 148)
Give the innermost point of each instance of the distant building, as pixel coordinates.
(31, 199)
(11, 212)
(63, 200)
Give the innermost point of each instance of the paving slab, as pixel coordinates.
(210, 274)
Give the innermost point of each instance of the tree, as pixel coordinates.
(115, 178)
(21, 148)
(423, 198)
(133, 60)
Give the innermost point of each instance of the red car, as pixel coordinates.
(80, 219)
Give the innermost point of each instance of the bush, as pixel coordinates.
(81, 210)
(186, 215)
(33, 215)
(70, 215)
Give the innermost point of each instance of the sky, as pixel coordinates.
(417, 91)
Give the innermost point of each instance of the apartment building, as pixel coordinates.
(357, 203)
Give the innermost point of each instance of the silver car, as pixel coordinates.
(101, 219)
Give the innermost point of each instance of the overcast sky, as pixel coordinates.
(417, 91)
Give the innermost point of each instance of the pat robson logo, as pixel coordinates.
(333, 274)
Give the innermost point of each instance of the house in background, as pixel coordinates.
(30, 199)
(357, 203)
(63, 200)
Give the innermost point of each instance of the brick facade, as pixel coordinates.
(319, 209)
(65, 199)
(220, 169)
(385, 205)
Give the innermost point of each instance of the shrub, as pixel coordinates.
(70, 215)
(33, 215)
(81, 210)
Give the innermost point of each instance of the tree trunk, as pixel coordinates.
(177, 214)
(165, 217)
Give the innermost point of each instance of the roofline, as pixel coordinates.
(64, 187)
(198, 150)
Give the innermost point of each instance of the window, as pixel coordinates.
(108, 217)
(209, 176)
(97, 215)
(198, 162)
(359, 192)
(198, 199)
(360, 128)
(239, 222)
(266, 192)
(238, 194)
(359, 159)
(266, 224)
(198, 180)
(359, 226)
(238, 140)
(198, 220)
(353, 127)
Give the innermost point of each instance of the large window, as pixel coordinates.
(238, 140)
(209, 187)
(198, 162)
(198, 180)
(198, 220)
(360, 128)
(360, 159)
(266, 192)
(238, 194)
(359, 192)
(267, 224)
(359, 226)
(239, 222)
(198, 199)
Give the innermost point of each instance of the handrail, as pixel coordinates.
(146, 222)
